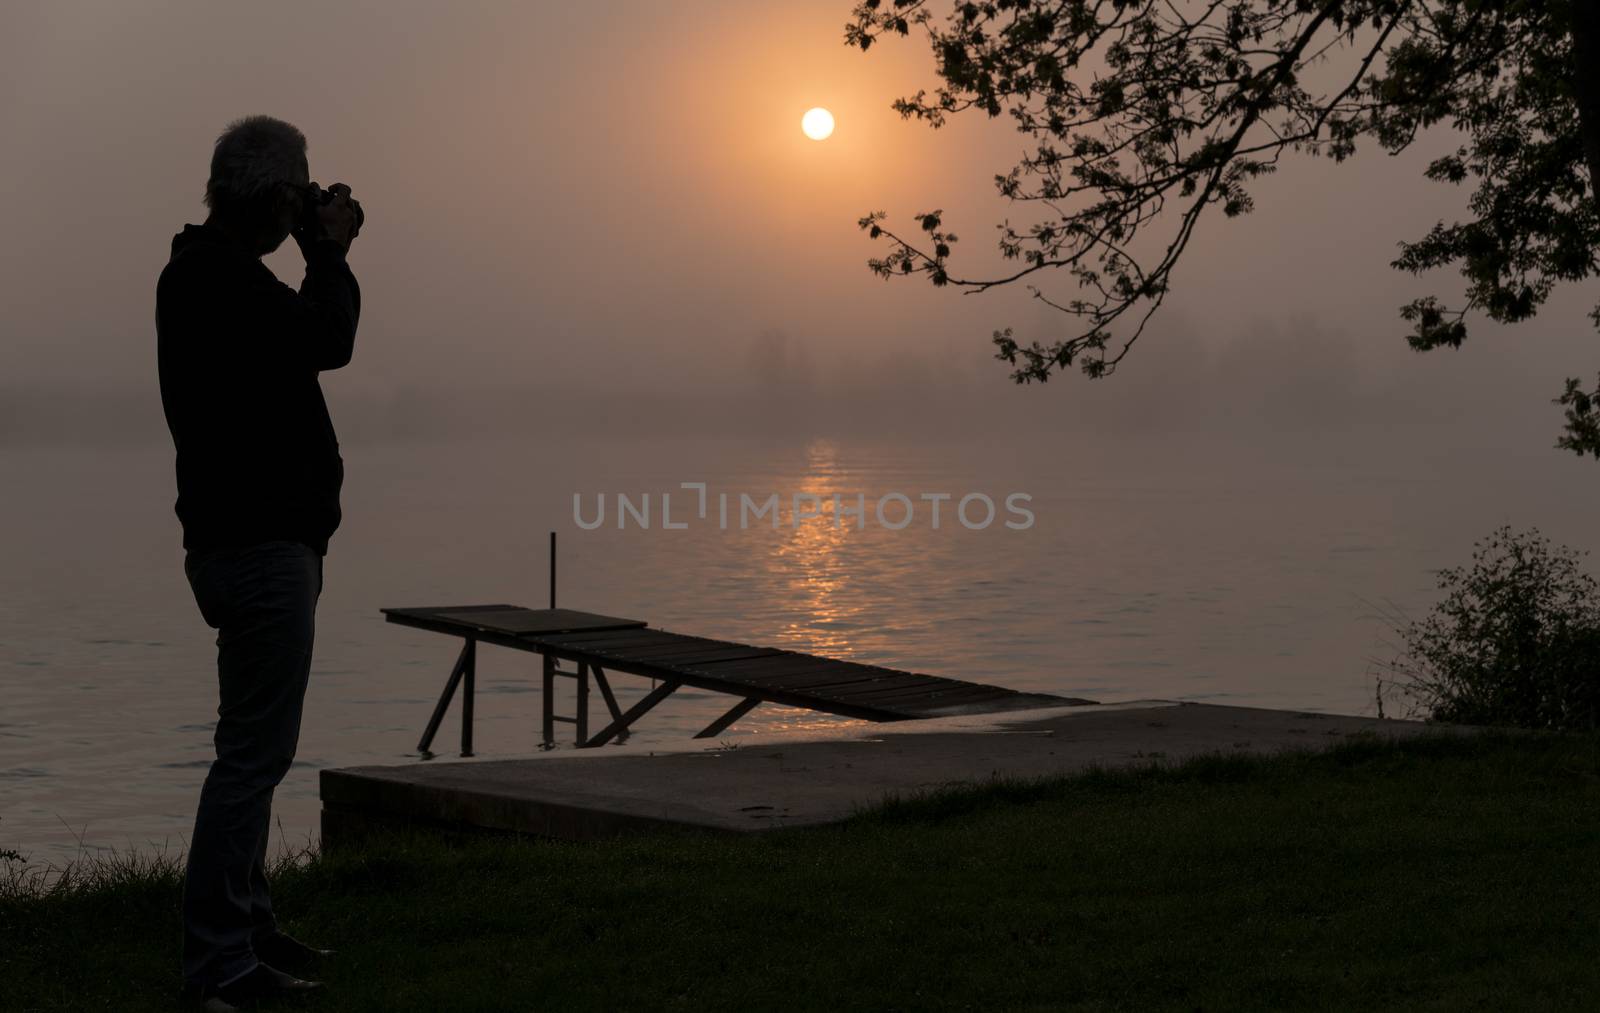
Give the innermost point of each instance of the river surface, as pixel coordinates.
(1266, 578)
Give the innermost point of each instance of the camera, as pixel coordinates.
(316, 196)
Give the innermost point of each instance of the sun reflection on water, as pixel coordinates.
(811, 555)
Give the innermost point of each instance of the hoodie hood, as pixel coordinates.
(195, 235)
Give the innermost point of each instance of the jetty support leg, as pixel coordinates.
(463, 660)
(469, 672)
(610, 698)
(549, 701)
(734, 713)
(634, 713)
(583, 702)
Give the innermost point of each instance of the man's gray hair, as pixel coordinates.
(252, 157)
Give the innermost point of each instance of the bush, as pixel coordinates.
(1516, 640)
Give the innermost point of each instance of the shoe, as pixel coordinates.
(263, 984)
(287, 953)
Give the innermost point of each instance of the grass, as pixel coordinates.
(1443, 873)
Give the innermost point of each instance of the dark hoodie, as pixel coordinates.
(239, 353)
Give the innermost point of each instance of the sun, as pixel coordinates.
(817, 123)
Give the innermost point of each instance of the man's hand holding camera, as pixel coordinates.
(329, 214)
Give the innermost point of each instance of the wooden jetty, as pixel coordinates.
(598, 644)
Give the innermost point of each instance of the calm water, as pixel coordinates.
(1203, 573)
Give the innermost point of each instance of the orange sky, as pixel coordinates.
(618, 197)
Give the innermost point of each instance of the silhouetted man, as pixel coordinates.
(259, 474)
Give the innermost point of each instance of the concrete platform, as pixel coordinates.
(765, 784)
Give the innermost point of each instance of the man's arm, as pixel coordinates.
(315, 327)
(333, 299)
(321, 319)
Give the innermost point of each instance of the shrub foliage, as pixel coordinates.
(1515, 640)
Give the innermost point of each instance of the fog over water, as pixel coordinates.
(600, 257)
(604, 214)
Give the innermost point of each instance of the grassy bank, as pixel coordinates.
(1436, 874)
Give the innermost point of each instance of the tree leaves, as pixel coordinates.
(1583, 418)
(1190, 102)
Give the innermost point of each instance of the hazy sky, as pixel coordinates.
(613, 204)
